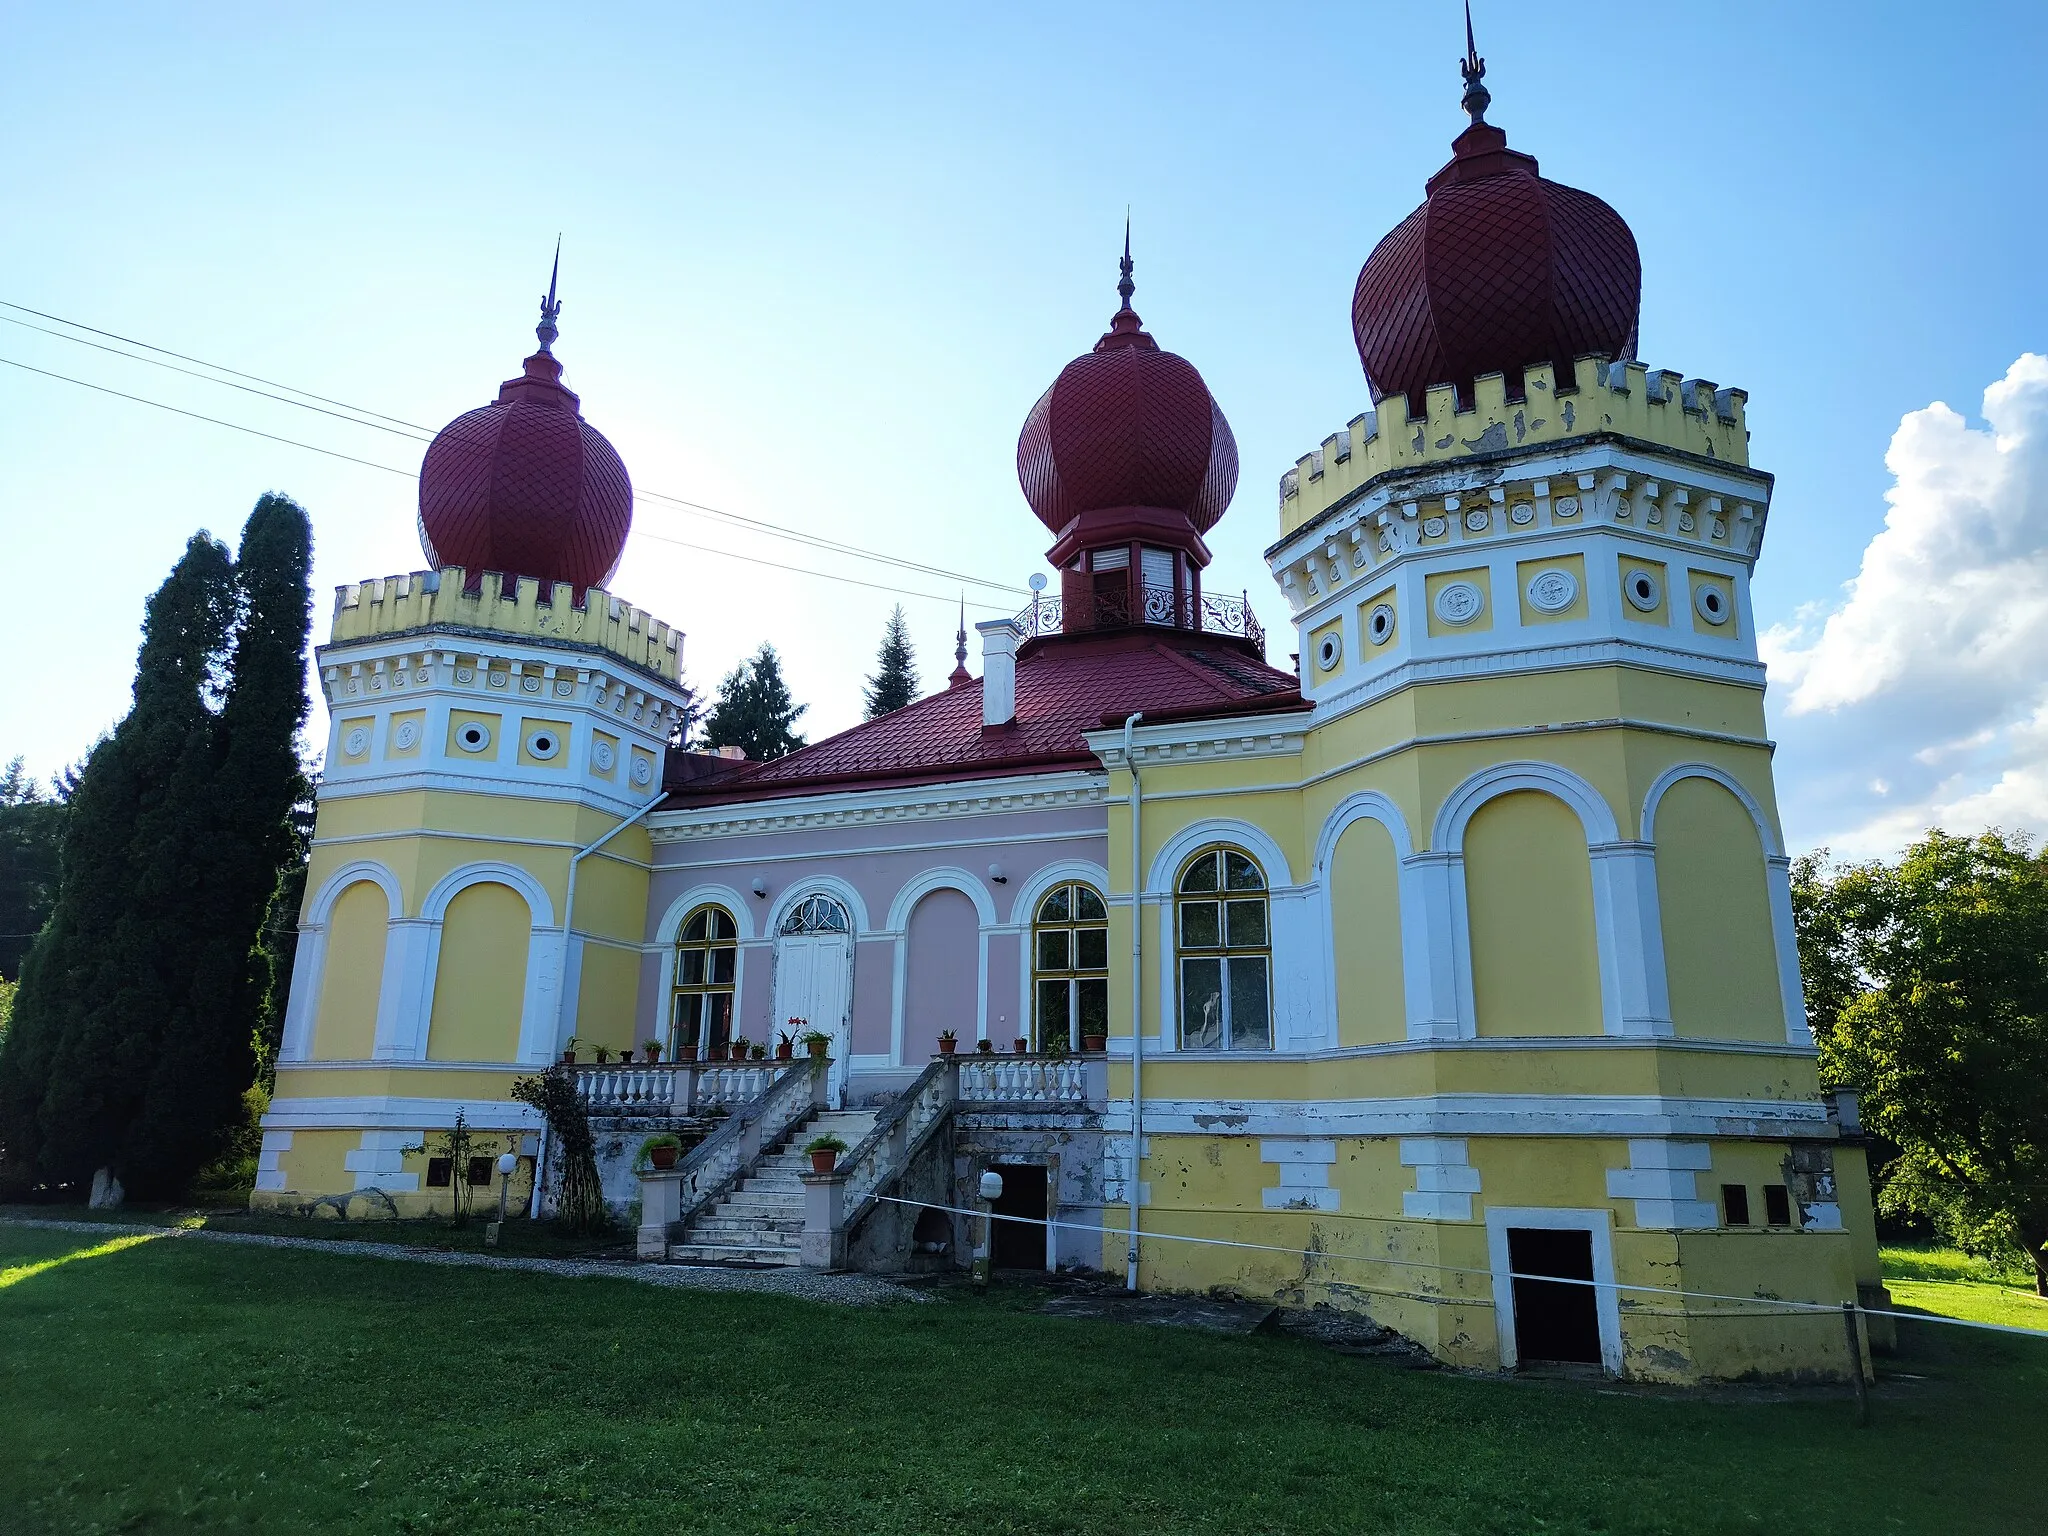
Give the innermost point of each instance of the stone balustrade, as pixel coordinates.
(672, 1088)
(1023, 1079)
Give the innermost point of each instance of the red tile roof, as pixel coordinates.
(1066, 685)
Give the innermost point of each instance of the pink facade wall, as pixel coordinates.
(879, 869)
(941, 971)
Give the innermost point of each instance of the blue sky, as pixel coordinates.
(819, 261)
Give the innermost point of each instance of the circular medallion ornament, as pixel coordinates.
(1553, 591)
(530, 684)
(1329, 651)
(563, 687)
(420, 675)
(1685, 522)
(1379, 624)
(1642, 591)
(357, 742)
(1459, 603)
(1710, 603)
(465, 674)
(473, 736)
(1478, 521)
(1521, 514)
(498, 679)
(643, 772)
(1565, 506)
(1433, 527)
(602, 757)
(407, 736)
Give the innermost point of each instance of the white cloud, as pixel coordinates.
(1923, 698)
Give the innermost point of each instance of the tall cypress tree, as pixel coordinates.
(105, 973)
(134, 1031)
(208, 1053)
(754, 711)
(895, 681)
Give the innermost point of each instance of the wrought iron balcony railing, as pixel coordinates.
(1112, 609)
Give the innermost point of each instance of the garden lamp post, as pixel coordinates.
(991, 1191)
(508, 1164)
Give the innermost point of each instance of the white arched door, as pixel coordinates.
(814, 980)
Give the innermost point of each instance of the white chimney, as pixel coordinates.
(998, 672)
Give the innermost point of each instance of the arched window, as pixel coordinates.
(816, 914)
(707, 959)
(1224, 949)
(1070, 966)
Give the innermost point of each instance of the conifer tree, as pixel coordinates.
(134, 1032)
(31, 835)
(103, 975)
(895, 681)
(207, 1055)
(754, 711)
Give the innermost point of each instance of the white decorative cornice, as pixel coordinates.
(879, 807)
(1234, 736)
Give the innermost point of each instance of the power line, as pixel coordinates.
(410, 475)
(217, 367)
(232, 426)
(417, 433)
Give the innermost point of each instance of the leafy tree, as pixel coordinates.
(31, 838)
(754, 711)
(139, 1003)
(579, 1202)
(1927, 986)
(895, 681)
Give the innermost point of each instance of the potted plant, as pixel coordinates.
(652, 1048)
(604, 1055)
(947, 1041)
(984, 1047)
(1095, 1045)
(686, 1053)
(1055, 1046)
(785, 1046)
(824, 1152)
(1021, 1046)
(659, 1152)
(816, 1041)
(758, 1051)
(738, 1051)
(569, 1051)
(626, 1056)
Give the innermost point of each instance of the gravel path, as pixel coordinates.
(805, 1284)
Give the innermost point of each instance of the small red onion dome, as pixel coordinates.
(525, 486)
(1127, 425)
(1498, 270)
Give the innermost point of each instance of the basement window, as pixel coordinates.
(1777, 1205)
(481, 1169)
(440, 1172)
(1735, 1205)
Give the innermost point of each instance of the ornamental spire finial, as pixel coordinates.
(960, 674)
(550, 306)
(1124, 286)
(1477, 97)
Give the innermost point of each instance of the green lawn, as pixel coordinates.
(1953, 1284)
(172, 1384)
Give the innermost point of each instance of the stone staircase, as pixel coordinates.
(762, 1220)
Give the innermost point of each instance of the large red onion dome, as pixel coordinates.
(1498, 270)
(525, 486)
(1127, 425)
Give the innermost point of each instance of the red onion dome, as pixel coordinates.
(1498, 270)
(525, 485)
(1127, 425)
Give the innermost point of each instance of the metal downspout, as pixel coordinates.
(1137, 1001)
(562, 995)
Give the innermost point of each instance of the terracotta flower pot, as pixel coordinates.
(653, 1055)
(1022, 1046)
(823, 1162)
(569, 1057)
(686, 1053)
(1095, 1043)
(820, 1049)
(785, 1052)
(664, 1158)
(946, 1047)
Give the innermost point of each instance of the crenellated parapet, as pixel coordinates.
(503, 605)
(1626, 399)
